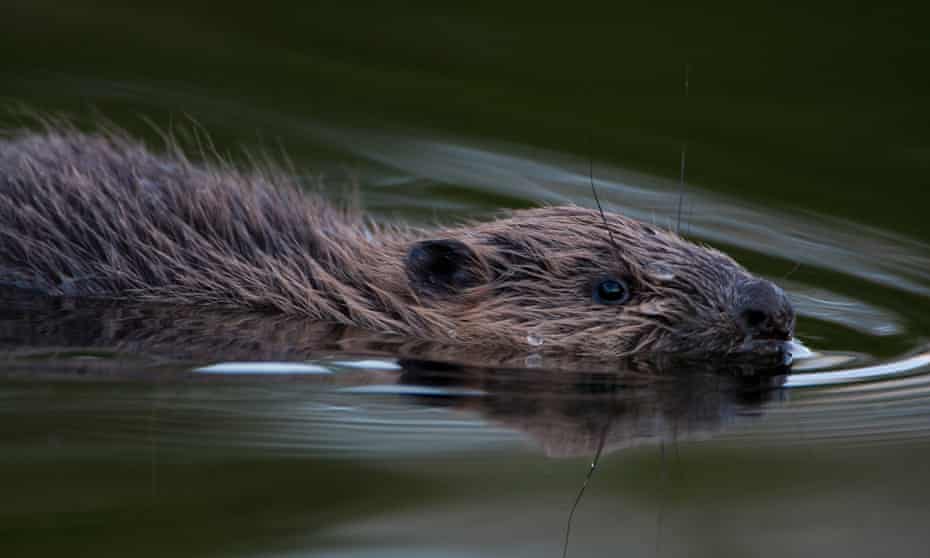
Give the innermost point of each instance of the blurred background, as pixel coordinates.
(817, 108)
(807, 139)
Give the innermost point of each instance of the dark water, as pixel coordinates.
(157, 431)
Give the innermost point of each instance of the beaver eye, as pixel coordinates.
(611, 291)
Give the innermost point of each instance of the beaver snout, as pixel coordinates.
(764, 312)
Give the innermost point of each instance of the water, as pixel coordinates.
(155, 431)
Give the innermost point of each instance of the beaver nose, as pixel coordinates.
(764, 311)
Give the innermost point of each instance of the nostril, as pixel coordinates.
(754, 318)
(763, 311)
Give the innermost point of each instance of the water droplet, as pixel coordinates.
(661, 272)
(452, 334)
(534, 340)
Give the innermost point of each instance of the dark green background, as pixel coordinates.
(822, 107)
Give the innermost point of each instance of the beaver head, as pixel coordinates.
(554, 279)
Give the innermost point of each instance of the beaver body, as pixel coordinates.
(100, 215)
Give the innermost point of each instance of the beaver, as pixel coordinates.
(99, 214)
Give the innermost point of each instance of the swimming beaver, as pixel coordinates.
(97, 214)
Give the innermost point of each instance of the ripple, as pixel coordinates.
(262, 368)
(414, 390)
(916, 364)
(848, 312)
(820, 241)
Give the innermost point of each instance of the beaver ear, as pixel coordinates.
(441, 267)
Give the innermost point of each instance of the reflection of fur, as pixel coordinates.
(637, 403)
(630, 402)
(99, 215)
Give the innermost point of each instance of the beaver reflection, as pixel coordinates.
(567, 407)
(571, 413)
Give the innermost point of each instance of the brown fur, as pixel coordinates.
(100, 215)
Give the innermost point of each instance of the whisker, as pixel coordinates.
(684, 152)
(584, 485)
(600, 208)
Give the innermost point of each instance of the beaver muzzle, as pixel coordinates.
(766, 317)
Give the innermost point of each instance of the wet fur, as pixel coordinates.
(101, 215)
